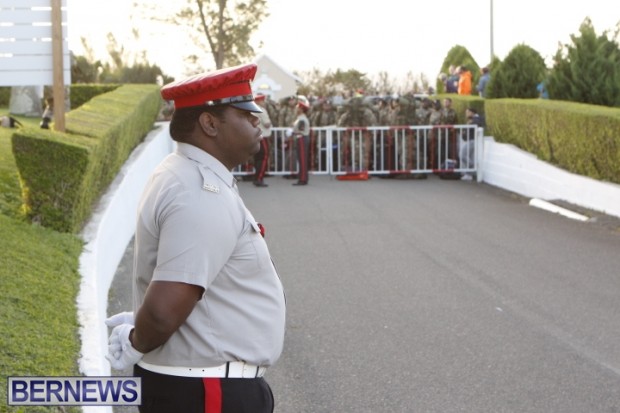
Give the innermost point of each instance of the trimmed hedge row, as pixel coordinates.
(5, 96)
(82, 93)
(63, 174)
(582, 139)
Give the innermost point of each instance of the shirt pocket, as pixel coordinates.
(260, 246)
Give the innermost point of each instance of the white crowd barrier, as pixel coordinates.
(377, 150)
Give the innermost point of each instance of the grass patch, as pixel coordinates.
(39, 282)
(10, 191)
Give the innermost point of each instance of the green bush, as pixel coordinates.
(459, 56)
(588, 70)
(82, 93)
(518, 75)
(5, 96)
(54, 170)
(10, 192)
(579, 138)
(63, 174)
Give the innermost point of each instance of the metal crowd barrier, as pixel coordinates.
(377, 150)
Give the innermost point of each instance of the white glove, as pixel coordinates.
(289, 132)
(125, 317)
(121, 353)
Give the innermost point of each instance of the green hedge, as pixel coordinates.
(63, 174)
(582, 139)
(5, 96)
(82, 93)
(461, 102)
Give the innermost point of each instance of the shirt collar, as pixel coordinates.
(206, 159)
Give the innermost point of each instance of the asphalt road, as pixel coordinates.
(437, 296)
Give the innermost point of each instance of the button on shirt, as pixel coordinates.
(194, 228)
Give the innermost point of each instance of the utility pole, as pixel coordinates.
(492, 51)
(58, 69)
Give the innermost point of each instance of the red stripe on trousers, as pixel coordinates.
(213, 395)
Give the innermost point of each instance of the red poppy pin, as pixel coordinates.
(262, 229)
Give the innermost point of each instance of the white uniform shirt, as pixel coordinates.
(194, 228)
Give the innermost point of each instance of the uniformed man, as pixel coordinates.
(445, 149)
(209, 305)
(288, 111)
(301, 134)
(261, 159)
(324, 115)
(356, 114)
(448, 114)
(286, 118)
(403, 144)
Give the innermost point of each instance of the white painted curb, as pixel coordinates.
(548, 206)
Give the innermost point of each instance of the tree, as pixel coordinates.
(122, 67)
(383, 84)
(459, 56)
(222, 27)
(588, 71)
(82, 70)
(350, 80)
(518, 75)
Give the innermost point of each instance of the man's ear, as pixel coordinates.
(208, 123)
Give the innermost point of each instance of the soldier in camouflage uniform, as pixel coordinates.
(286, 117)
(288, 111)
(401, 145)
(383, 108)
(437, 136)
(423, 112)
(356, 115)
(448, 139)
(324, 114)
(273, 110)
(448, 114)
(435, 116)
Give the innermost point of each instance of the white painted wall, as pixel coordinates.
(515, 170)
(107, 235)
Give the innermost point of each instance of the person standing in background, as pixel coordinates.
(301, 134)
(467, 148)
(483, 81)
(464, 85)
(452, 81)
(261, 159)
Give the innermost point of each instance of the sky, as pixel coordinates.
(393, 36)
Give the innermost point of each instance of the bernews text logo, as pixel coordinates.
(74, 391)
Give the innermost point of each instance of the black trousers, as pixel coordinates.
(162, 393)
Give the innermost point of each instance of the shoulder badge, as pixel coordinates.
(211, 188)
